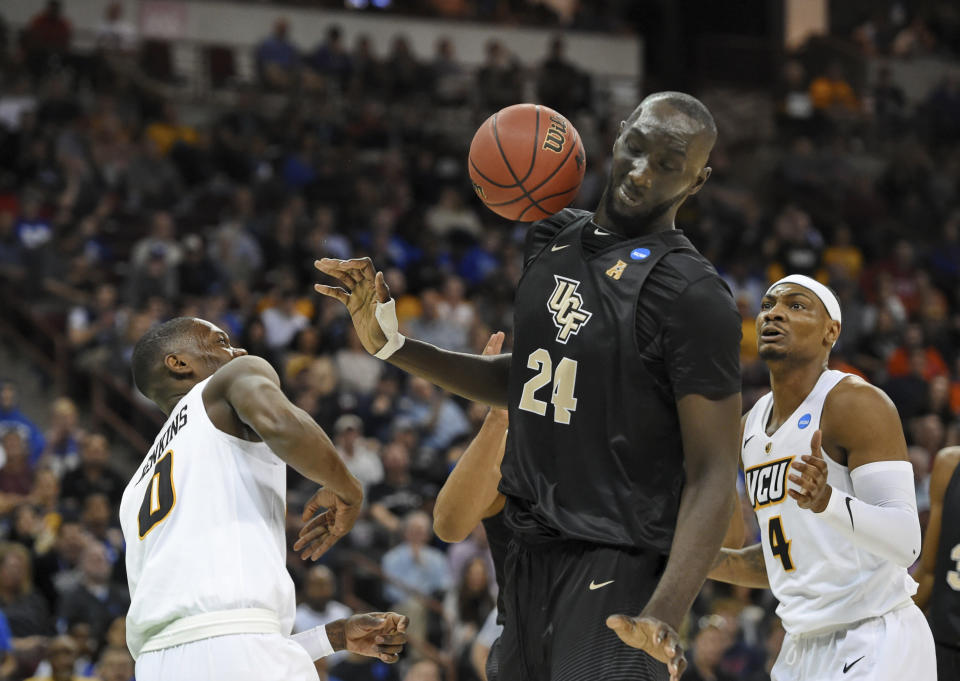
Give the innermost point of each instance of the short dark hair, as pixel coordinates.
(156, 344)
(688, 104)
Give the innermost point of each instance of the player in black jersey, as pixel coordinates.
(623, 391)
(939, 572)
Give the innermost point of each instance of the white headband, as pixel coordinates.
(825, 295)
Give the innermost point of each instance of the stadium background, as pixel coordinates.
(167, 158)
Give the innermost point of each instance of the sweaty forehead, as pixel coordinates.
(796, 290)
(660, 116)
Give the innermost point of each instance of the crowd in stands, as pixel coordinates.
(122, 205)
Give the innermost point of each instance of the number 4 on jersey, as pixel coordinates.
(779, 544)
(160, 495)
(564, 382)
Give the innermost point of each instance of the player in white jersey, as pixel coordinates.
(203, 519)
(839, 525)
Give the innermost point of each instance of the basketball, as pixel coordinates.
(526, 162)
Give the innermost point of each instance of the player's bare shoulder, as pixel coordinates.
(247, 366)
(858, 416)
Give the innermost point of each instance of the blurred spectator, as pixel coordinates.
(277, 59)
(842, 258)
(433, 413)
(900, 363)
(63, 438)
(162, 240)
(451, 214)
(909, 391)
(399, 494)
(793, 101)
(93, 475)
(450, 81)
(359, 371)
(360, 668)
(357, 451)
(16, 476)
(115, 33)
(330, 61)
(467, 605)
(26, 611)
(152, 181)
(432, 327)
(424, 670)
(914, 40)
(889, 104)
(62, 659)
(832, 94)
(96, 600)
(711, 641)
(499, 79)
(318, 607)
(560, 84)
(12, 418)
(47, 37)
(114, 664)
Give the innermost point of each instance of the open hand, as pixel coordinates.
(657, 639)
(362, 288)
(377, 634)
(324, 530)
(493, 347)
(814, 491)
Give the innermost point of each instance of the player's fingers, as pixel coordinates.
(815, 443)
(669, 641)
(323, 520)
(392, 649)
(392, 639)
(380, 285)
(389, 659)
(367, 271)
(333, 292)
(806, 484)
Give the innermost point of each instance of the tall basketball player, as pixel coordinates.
(839, 525)
(939, 572)
(623, 392)
(203, 519)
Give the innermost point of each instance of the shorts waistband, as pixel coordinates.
(210, 624)
(849, 625)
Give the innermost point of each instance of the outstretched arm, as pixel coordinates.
(943, 467)
(475, 377)
(252, 388)
(744, 567)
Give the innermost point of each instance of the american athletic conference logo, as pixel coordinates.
(566, 306)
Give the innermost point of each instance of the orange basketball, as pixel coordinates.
(526, 162)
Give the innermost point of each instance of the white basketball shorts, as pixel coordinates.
(893, 647)
(237, 657)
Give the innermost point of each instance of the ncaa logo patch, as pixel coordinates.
(640, 253)
(804, 421)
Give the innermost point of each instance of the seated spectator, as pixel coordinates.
(94, 474)
(709, 644)
(450, 81)
(61, 660)
(329, 61)
(424, 670)
(318, 607)
(900, 362)
(467, 605)
(162, 237)
(114, 664)
(100, 522)
(62, 450)
(794, 107)
(500, 79)
(47, 36)
(151, 179)
(842, 258)
(418, 567)
(431, 327)
(16, 476)
(399, 494)
(116, 35)
(451, 214)
(359, 370)
(26, 610)
(560, 84)
(832, 94)
(95, 600)
(432, 411)
(278, 60)
(359, 453)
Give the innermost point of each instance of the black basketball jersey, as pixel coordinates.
(498, 537)
(945, 599)
(594, 450)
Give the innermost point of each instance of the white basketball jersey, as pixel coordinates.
(821, 580)
(203, 520)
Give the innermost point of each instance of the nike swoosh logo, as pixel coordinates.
(851, 520)
(559, 248)
(846, 667)
(748, 440)
(594, 586)
(599, 233)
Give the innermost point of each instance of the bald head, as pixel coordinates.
(698, 121)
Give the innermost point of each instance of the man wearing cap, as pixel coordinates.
(826, 469)
(361, 460)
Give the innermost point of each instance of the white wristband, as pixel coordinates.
(386, 315)
(315, 641)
